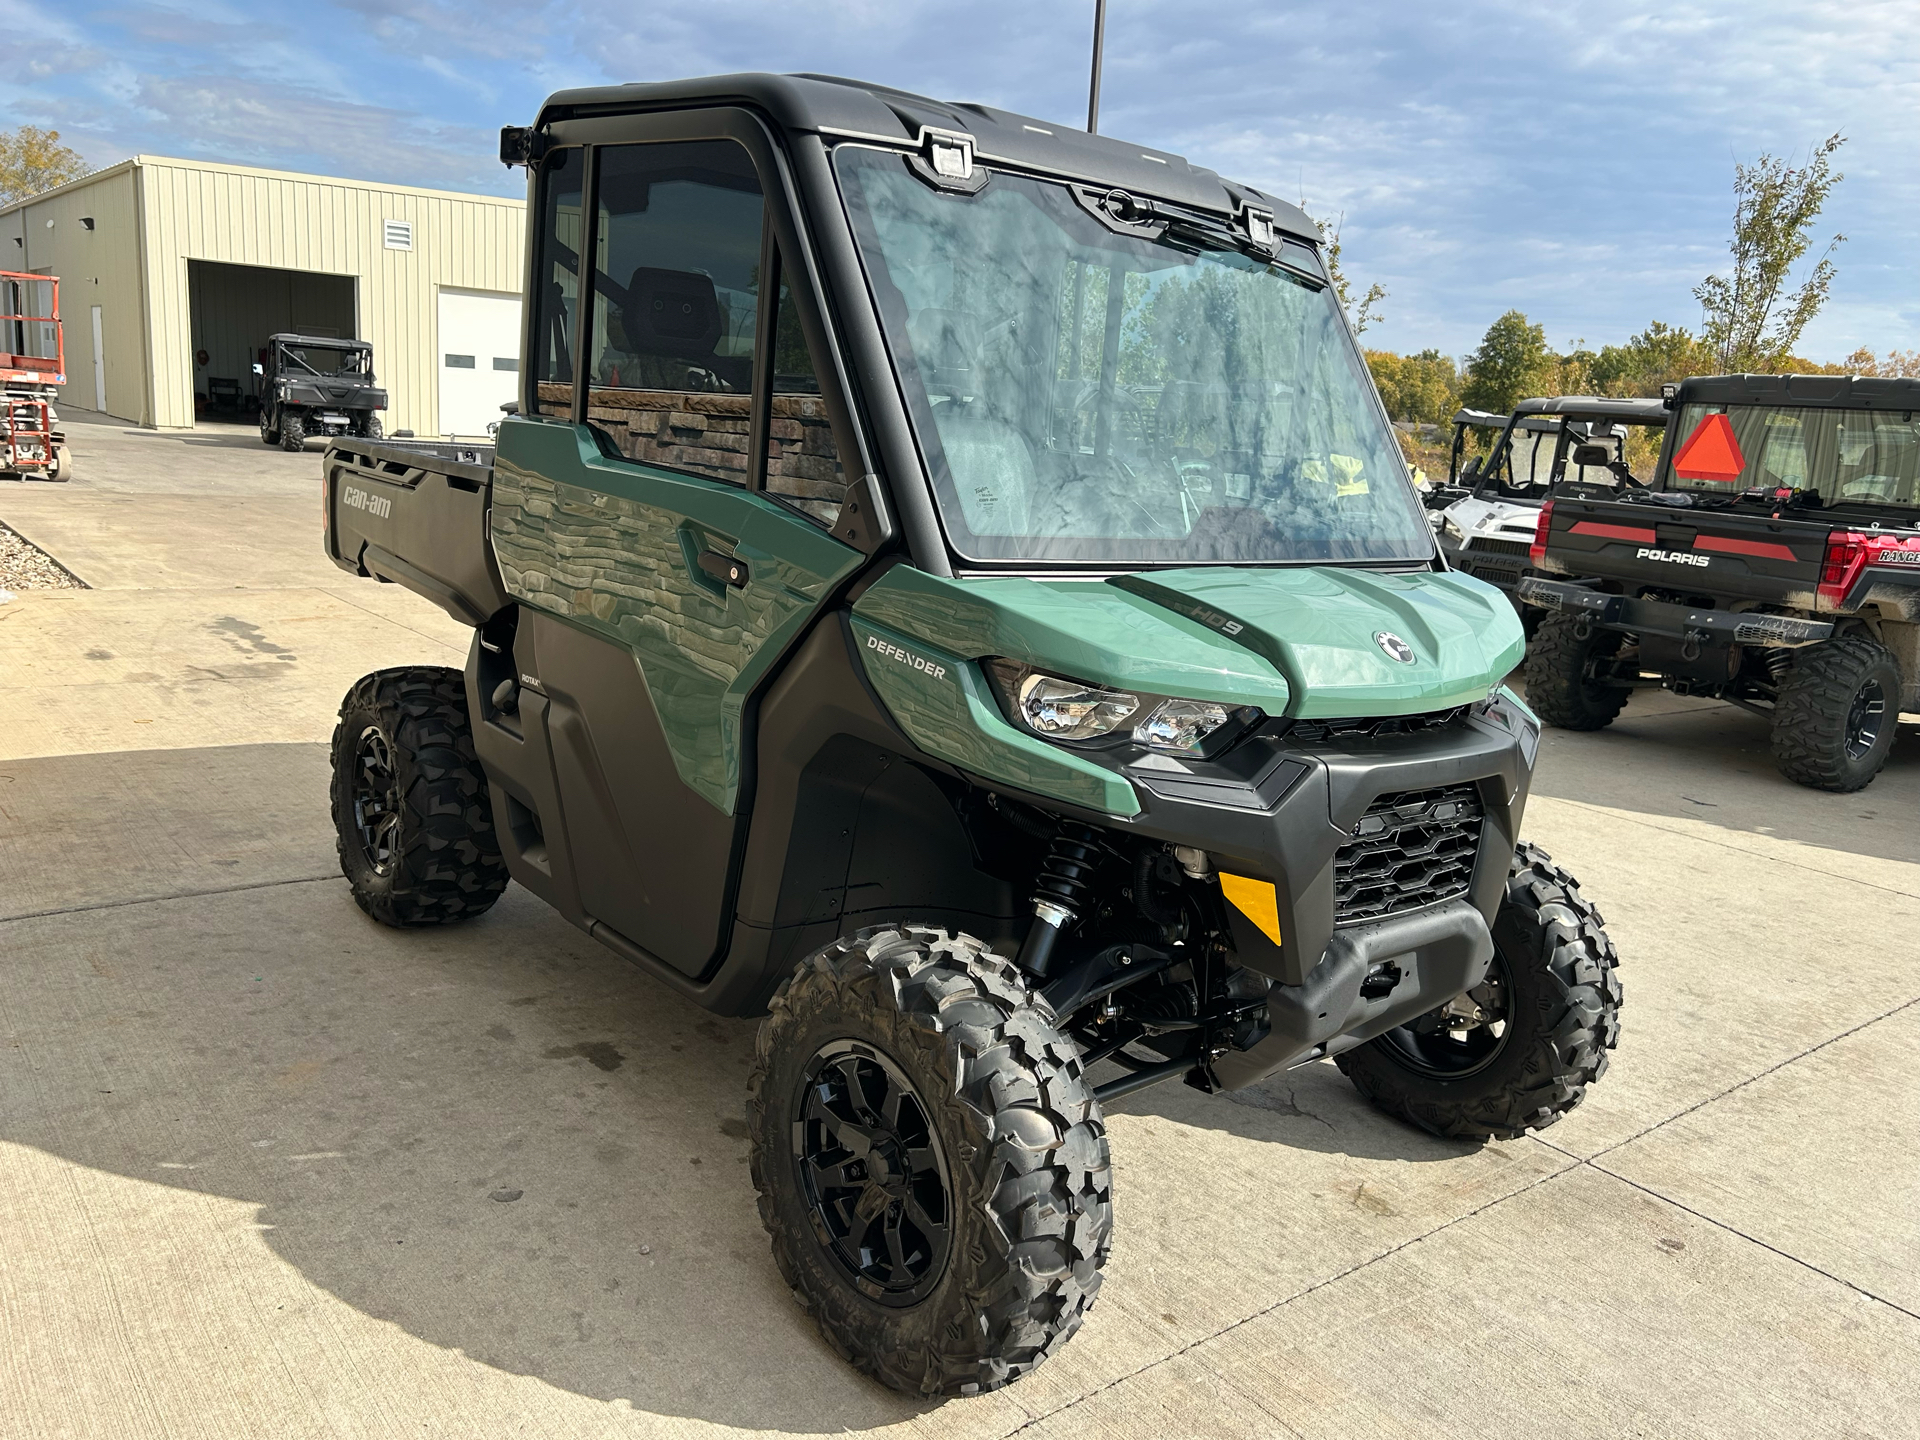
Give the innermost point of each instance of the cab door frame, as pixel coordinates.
(782, 238)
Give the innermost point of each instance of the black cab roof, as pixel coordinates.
(1597, 407)
(840, 109)
(322, 342)
(1840, 392)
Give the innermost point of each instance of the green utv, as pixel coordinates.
(949, 585)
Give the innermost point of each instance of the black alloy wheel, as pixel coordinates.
(872, 1172)
(1864, 718)
(376, 800)
(1462, 1037)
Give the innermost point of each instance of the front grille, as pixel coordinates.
(1408, 851)
(1313, 732)
(1499, 547)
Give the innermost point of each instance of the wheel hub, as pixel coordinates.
(872, 1173)
(376, 800)
(1464, 1035)
(1864, 718)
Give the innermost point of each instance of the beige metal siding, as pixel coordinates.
(95, 267)
(299, 222)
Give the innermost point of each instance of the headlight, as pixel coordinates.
(1181, 725)
(1451, 529)
(1057, 708)
(1067, 710)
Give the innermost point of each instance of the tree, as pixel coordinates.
(1898, 364)
(1750, 322)
(33, 160)
(1658, 354)
(1424, 388)
(1513, 362)
(1365, 315)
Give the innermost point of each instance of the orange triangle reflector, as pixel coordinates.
(1711, 452)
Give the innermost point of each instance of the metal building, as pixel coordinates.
(174, 272)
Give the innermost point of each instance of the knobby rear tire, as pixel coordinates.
(444, 863)
(293, 433)
(1811, 717)
(1025, 1150)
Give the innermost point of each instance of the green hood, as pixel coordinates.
(1297, 642)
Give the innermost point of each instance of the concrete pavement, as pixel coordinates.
(250, 1142)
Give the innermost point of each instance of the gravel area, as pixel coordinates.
(25, 566)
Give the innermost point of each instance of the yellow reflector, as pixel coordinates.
(1254, 899)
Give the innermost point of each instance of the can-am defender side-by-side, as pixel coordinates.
(311, 385)
(1774, 564)
(1568, 444)
(951, 587)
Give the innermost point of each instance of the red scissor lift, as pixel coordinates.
(33, 363)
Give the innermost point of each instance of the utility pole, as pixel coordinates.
(1093, 91)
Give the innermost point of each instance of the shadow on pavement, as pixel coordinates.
(500, 1137)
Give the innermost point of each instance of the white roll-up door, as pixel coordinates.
(479, 359)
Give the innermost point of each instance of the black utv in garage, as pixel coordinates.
(311, 385)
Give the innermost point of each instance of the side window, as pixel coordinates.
(675, 304)
(803, 462)
(556, 284)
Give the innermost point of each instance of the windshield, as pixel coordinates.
(1848, 456)
(323, 360)
(1088, 397)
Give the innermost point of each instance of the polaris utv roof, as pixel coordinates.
(1842, 392)
(842, 109)
(1597, 407)
(1484, 418)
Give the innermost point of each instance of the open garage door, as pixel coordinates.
(479, 359)
(236, 307)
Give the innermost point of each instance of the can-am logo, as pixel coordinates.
(1393, 647)
(1672, 557)
(378, 506)
(905, 657)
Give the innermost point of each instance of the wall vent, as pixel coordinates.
(397, 234)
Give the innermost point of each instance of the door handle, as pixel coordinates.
(727, 569)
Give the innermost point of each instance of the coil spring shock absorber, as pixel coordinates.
(1779, 661)
(1063, 892)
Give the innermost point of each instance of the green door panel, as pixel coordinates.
(613, 546)
(1318, 626)
(1083, 629)
(943, 704)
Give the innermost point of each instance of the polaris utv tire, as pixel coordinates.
(1552, 992)
(411, 812)
(1836, 713)
(371, 429)
(931, 1163)
(1559, 687)
(293, 432)
(269, 433)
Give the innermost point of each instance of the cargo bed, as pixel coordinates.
(414, 513)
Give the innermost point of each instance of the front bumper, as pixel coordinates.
(1288, 824)
(1677, 622)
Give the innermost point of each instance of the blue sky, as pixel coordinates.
(1572, 161)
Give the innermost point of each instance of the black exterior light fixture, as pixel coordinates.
(86, 222)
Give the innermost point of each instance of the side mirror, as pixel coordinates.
(258, 368)
(1596, 456)
(1472, 467)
